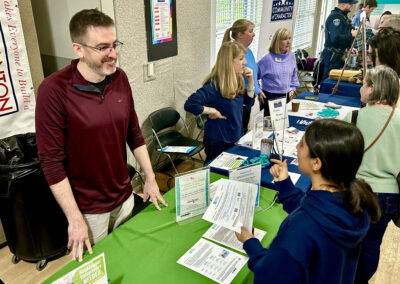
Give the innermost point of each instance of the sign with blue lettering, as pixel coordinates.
(282, 10)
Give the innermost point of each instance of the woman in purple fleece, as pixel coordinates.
(277, 70)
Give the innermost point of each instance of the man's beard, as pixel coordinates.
(99, 68)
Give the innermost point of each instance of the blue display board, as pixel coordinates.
(282, 10)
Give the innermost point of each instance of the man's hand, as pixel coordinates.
(78, 237)
(354, 51)
(261, 97)
(280, 170)
(151, 190)
(244, 235)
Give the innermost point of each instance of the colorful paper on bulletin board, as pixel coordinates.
(17, 100)
(161, 20)
(282, 10)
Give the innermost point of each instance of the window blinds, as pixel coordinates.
(228, 11)
(303, 31)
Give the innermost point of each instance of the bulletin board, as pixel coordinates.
(160, 17)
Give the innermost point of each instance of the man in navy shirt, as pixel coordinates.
(339, 36)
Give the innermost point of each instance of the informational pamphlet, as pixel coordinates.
(228, 238)
(227, 161)
(289, 138)
(177, 149)
(279, 116)
(191, 193)
(213, 261)
(247, 139)
(91, 272)
(258, 126)
(233, 205)
(249, 174)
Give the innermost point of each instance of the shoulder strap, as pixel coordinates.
(383, 129)
(354, 115)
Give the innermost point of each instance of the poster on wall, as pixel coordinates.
(160, 18)
(161, 21)
(17, 100)
(282, 10)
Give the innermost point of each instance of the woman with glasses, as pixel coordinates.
(381, 162)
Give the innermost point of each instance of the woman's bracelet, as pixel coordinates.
(209, 110)
(250, 90)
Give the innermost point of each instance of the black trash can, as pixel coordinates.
(36, 229)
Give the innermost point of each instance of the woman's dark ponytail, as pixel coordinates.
(359, 196)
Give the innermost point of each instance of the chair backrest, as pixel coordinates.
(163, 118)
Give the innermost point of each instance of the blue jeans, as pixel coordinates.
(213, 148)
(370, 247)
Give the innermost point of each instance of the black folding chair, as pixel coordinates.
(163, 123)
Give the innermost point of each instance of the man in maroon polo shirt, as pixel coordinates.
(85, 115)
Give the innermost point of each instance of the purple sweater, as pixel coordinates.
(273, 71)
(82, 134)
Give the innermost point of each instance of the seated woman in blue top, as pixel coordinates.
(320, 240)
(222, 97)
(277, 70)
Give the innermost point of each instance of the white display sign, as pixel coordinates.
(17, 100)
(278, 111)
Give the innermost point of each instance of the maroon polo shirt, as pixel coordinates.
(82, 134)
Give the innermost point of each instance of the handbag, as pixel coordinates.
(396, 216)
(354, 114)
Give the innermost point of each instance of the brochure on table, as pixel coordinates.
(246, 140)
(213, 261)
(93, 271)
(310, 109)
(191, 193)
(290, 137)
(233, 205)
(249, 174)
(258, 127)
(278, 111)
(228, 238)
(177, 149)
(227, 161)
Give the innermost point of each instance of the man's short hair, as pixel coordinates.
(387, 44)
(392, 21)
(370, 3)
(86, 18)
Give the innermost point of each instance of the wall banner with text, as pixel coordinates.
(17, 100)
(282, 10)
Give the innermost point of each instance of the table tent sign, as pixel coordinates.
(258, 128)
(92, 272)
(192, 193)
(17, 100)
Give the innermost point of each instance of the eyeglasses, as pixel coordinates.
(105, 50)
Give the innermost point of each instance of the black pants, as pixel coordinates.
(246, 118)
(213, 148)
(271, 96)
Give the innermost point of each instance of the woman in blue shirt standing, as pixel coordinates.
(243, 31)
(277, 70)
(222, 97)
(320, 240)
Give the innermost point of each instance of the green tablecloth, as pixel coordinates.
(146, 248)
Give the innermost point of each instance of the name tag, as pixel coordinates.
(277, 59)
